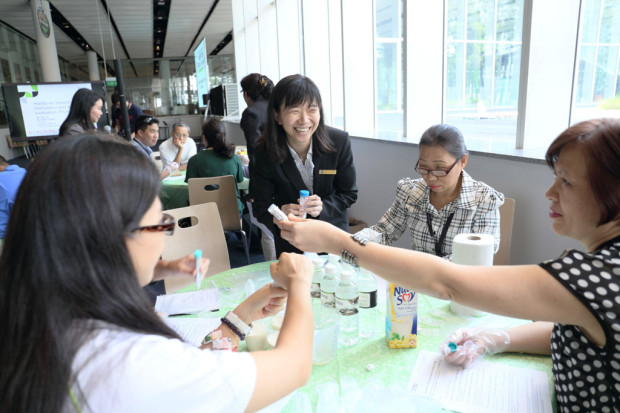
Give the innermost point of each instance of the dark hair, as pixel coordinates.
(116, 98)
(214, 133)
(145, 121)
(79, 112)
(3, 160)
(256, 85)
(182, 125)
(447, 137)
(292, 90)
(65, 267)
(599, 141)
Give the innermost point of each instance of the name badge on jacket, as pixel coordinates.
(327, 172)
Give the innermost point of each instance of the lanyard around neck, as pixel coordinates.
(444, 231)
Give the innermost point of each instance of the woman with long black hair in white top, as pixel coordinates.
(78, 333)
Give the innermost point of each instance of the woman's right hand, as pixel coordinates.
(292, 269)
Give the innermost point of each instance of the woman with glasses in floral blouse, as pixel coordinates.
(445, 202)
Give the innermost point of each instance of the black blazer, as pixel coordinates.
(253, 122)
(280, 184)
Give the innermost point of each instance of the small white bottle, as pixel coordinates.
(329, 282)
(347, 306)
(315, 290)
(367, 284)
(334, 260)
(303, 195)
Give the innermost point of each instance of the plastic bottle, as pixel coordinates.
(329, 282)
(303, 194)
(315, 291)
(367, 284)
(347, 305)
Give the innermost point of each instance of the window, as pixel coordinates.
(389, 64)
(597, 82)
(482, 67)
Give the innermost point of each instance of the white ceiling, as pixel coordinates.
(134, 20)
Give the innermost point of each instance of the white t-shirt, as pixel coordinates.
(122, 371)
(168, 151)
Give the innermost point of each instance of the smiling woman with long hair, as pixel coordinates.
(297, 151)
(77, 331)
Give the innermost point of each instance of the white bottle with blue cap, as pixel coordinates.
(303, 195)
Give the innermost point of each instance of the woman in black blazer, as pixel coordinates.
(256, 92)
(297, 151)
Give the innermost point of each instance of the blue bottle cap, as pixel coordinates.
(303, 192)
(452, 347)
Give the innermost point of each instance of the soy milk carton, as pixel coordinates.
(401, 317)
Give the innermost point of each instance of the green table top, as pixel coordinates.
(393, 367)
(174, 193)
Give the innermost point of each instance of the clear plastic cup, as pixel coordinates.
(325, 334)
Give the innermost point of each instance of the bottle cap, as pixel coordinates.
(318, 262)
(346, 275)
(303, 192)
(333, 258)
(331, 269)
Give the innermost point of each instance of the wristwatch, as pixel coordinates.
(237, 325)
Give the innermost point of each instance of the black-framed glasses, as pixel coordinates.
(435, 172)
(166, 226)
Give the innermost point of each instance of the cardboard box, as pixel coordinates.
(401, 317)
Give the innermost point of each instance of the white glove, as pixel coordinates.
(467, 345)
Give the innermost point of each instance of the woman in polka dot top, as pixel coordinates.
(576, 297)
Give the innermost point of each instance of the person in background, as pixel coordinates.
(445, 202)
(575, 297)
(178, 148)
(298, 151)
(76, 330)
(218, 159)
(84, 113)
(11, 177)
(133, 112)
(147, 135)
(256, 89)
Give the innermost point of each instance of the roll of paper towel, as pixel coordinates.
(471, 249)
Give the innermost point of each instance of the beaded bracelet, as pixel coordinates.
(348, 257)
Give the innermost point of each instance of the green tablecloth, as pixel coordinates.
(392, 367)
(175, 194)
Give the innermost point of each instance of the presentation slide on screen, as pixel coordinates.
(202, 72)
(45, 107)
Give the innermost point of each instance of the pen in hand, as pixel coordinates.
(198, 258)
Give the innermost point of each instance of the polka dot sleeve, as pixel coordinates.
(587, 377)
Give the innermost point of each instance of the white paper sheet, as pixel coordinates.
(193, 330)
(175, 177)
(482, 387)
(188, 303)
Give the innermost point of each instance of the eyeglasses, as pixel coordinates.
(435, 172)
(166, 226)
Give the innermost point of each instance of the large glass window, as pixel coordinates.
(482, 67)
(597, 82)
(389, 64)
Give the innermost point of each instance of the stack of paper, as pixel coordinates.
(188, 303)
(483, 387)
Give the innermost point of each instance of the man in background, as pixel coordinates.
(133, 112)
(11, 177)
(147, 135)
